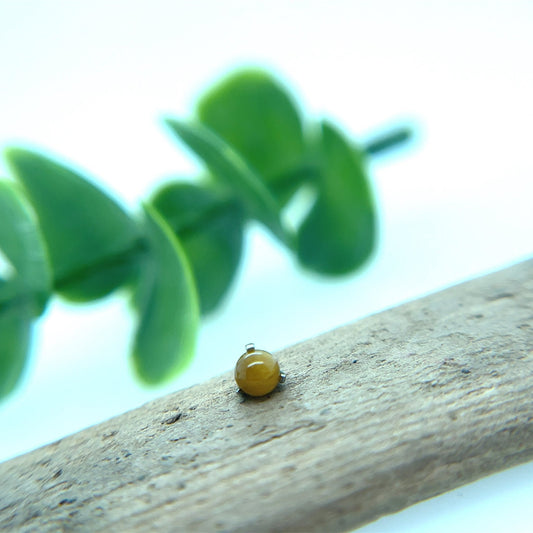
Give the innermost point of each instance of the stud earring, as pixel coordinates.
(257, 372)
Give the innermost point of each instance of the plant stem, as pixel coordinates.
(129, 255)
(389, 140)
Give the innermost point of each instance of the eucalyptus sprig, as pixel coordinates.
(62, 234)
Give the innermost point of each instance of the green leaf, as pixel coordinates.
(228, 167)
(167, 303)
(253, 113)
(90, 239)
(339, 233)
(287, 184)
(15, 329)
(24, 295)
(210, 228)
(22, 245)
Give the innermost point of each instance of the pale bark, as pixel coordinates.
(373, 417)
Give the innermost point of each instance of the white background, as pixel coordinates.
(90, 80)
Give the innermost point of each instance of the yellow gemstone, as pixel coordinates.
(257, 372)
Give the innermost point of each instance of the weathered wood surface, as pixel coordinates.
(374, 416)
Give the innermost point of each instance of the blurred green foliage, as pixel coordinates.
(339, 233)
(210, 226)
(255, 115)
(62, 234)
(167, 303)
(86, 233)
(25, 292)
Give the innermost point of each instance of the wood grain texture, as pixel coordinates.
(373, 417)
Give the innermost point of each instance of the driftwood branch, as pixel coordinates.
(373, 417)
